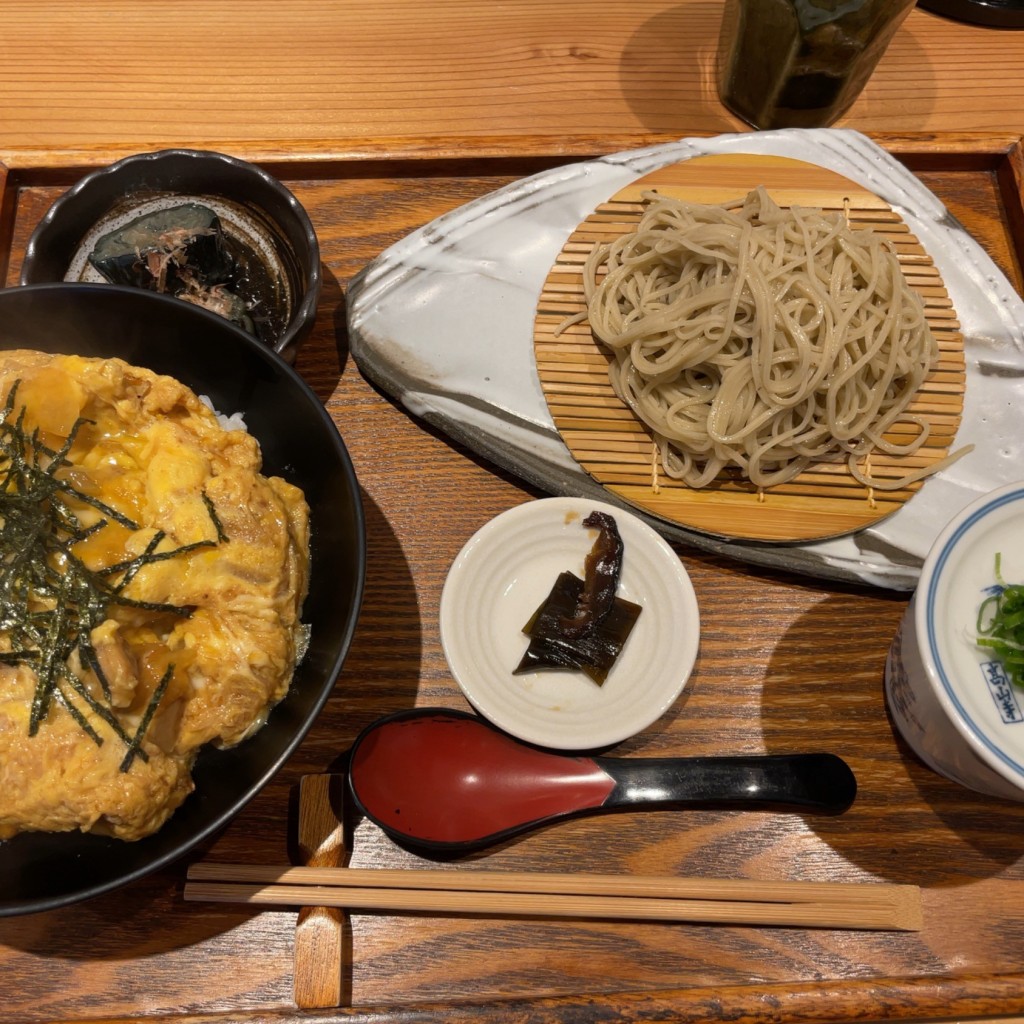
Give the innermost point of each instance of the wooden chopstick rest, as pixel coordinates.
(321, 937)
(869, 906)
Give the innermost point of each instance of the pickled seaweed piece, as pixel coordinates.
(601, 577)
(594, 652)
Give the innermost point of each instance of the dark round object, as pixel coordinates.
(40, 871)
(185, 172)
(994, 13)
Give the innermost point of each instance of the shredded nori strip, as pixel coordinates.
(103, 712)
(91, 661)
(50, 601)
(214, 518)
(17, 657)
(80, 719)
(134, 748)
(46, 673)
(131, 567)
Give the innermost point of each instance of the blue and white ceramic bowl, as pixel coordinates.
(949, 698)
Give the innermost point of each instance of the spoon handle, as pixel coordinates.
(821, 783)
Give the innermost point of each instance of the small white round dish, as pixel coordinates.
(499, 579)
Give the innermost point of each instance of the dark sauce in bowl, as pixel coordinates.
(225, 258)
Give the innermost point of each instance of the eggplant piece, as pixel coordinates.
(593, 652)
(183, 251)
(168, 250)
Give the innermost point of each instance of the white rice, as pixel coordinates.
(236, 421)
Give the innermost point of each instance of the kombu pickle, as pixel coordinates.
(593, 652)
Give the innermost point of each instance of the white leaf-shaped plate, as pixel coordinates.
(443, 321)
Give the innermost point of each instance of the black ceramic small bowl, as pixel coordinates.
(274, 256)
(41, 871)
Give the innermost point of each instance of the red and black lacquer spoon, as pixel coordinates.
(449, 781)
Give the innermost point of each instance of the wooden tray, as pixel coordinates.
(785, 664)
(619, 451)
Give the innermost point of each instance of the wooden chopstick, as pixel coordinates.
(580, 883)
(869, 906)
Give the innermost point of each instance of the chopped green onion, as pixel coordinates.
(1000, 625)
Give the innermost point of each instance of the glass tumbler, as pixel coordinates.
(801, 63)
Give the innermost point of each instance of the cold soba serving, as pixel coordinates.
(757, 339)
(152, 581)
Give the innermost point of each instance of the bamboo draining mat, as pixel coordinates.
(617, 450)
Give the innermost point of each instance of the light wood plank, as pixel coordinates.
(355, 77)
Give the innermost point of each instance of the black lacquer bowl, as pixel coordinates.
(256, 210)
(41, 871)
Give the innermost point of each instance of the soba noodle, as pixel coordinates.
(759, 338)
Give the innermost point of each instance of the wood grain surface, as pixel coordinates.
(407, 77)
(786, 663)
(371, 112)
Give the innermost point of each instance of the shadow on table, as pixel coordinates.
(322, 358)
(908, 823)
(679, 44)
(659, 63)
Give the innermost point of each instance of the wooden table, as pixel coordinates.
(361, 78)
(381, 117)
